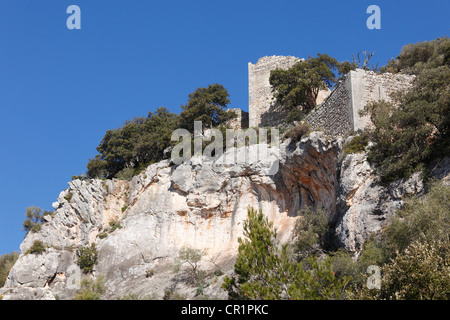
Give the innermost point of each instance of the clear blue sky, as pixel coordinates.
(60, 89)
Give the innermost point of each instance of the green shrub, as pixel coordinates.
(300, 130)
(36, 228)
(87, 258)
(47, 213)
(135, 296)
(7, 261)
(417, 57)
(34, 219)
(424, 218)
(310, 229)
(201, 288)
(357, 144)
(126, 174)
(91, 289)
(342, 264)
(102, 235)
(171, 294)
(218, 272)
(372, 253)
(68, 196)
(420, 272)
(412, 252)
(38, 247)
(149, 273)
(114, 225)
(264, 270)
(80, 177)
(191, 258)
(413, 131)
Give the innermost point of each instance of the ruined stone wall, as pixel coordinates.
(241, 120)
(263, 109)
(367, 86)
(339, 113)
(334, 116)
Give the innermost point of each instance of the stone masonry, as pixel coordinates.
(367, 86)
(334, 116)
(263, 109)
(337, 112)
(340, 112)
(241, 120)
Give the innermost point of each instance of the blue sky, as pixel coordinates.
(60, 89)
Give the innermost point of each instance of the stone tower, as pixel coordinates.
(263, 109)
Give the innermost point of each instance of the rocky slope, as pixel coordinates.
(202, 205)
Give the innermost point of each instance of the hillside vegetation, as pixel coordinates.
(125, 151)
(414, 131)
(412, 254)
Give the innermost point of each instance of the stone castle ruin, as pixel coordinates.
(337, 111)
(263, 108)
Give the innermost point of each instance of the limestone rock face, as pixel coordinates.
(364, 205)
(201, 204)
(139, 226)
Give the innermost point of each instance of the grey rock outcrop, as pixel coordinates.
(364, 205)
(201, 204)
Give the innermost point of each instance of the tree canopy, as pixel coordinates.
(265, 270)
(138, 142)
(414, 130)
(299, 85)
(123, 152)
(207, 105)
(34, 219)
(7, 261)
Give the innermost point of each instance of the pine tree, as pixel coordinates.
(264, 270)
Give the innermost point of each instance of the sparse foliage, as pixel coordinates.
(310, 230)
(357, 144)
(87, 258)
(91, 289)
(7, 261)
(38, 247)
(423, 218)
(415, 129)
(413, 252)
(361, 60)
(172, 294)
(191, 257)
(34, 219)
(298, 132)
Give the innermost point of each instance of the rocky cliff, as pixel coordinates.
(202, 205)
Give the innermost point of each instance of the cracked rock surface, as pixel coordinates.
(200, 204)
